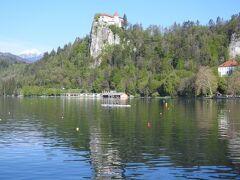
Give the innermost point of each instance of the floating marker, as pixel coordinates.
(77, 129)
(149, 125)
(166, 104)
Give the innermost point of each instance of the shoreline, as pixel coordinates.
(97, 96)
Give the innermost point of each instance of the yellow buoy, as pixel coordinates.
(77, 129)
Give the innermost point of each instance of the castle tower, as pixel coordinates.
(116, 14)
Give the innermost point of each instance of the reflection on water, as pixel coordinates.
(229, 128)
(58, 138)
(104, 157)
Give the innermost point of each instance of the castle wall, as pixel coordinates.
(116, 20)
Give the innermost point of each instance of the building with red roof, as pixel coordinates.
(111, 20)
(227, 67)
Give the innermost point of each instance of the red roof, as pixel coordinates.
(115, 14)
(103, 14)
(229, 63)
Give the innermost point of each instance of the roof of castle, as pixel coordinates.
(104, 14)
(108, 15)
(230, 63)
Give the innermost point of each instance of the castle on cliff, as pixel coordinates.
(102, 34)
(111, 20)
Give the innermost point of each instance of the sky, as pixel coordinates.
(44, 25)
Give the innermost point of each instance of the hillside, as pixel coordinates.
(147, 62)
(7, 59)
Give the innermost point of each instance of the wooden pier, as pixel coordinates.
(108, 98)
(103, 95)
(83, 95)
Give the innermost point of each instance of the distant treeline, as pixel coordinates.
(149, 62)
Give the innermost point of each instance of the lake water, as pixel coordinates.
(60, 138)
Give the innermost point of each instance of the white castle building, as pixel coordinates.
(111, 20)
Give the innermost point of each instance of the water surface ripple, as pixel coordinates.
(60, 138)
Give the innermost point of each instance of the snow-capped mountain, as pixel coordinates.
(31, 55)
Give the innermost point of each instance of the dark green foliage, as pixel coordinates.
(117, 31)
(96, 17)
(125, 21)
(233, 83)
(222, 85)
(7, 59)
(9, 86)
(148, 62)
(40, 90)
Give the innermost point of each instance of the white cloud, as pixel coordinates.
(31, 52)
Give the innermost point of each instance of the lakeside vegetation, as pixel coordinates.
(174, 61)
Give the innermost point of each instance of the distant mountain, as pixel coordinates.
(7, 59)
(31, 55)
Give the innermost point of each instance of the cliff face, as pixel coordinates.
(234, 46)
(101, 35)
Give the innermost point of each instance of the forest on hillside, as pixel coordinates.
(148, 62)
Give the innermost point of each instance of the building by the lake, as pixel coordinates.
(228, 67)
(114, 95)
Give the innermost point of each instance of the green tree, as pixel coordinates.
(125, 21)
(222, 85)
(233, 85)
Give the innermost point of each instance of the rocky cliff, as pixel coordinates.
(101, 35)
(234, 46)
